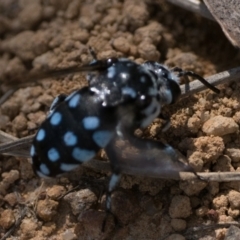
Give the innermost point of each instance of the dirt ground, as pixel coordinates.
(45, 34)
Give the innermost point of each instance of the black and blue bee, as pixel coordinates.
(121, 97)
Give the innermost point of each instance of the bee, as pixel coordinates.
(121, 96)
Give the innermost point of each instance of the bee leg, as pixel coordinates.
(167, 122)
(113, 182)
(181, 73)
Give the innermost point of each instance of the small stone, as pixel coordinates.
(8, 179)
(133, 50)
(185, 60)
(111, 17)
(32, 108)
(130, 203)
(154, 129)
(178, 224)
(234, 213)
(225, 219)
(72, 10)
(148, 51)
(37, 117)
(81, 200)
(7, 218)
(45, 60)
(191, 188)
(10, 108)
(55, 191)
(121, 44)
(220, 126)
(232, 233)
(194, 123)
(85, 22)
(210, 147)
(100, 45)
(26, 16)
(151, 33)
(90, 224)
(138, 132)
(135, 13)
(236, 117)
(28, 228)
(81, 35)
(45, 99)
(48, 12)
(219, 234)
(222, 211)
(49, 228)
(220, 201)
(234, 199)
(234, 154)
(223, 164)
(149, 206)
(213, 188)
(195, 202)
(107, 54)
(175, 236)
(20, 123)
(106, 35)
(36, 45)
(11, 199)
(205, 116)
(69, 235)
(202, 211)
(4, 24)
(4, 120)
(67, 45)
(47, 209)
(213, 215)
(36, 92)
(25, 168)
(180, 207)
(195, 160)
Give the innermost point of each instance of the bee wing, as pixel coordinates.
(154, 163)
(33, 77)
(21, 81)
(12, 146)
(145, 157)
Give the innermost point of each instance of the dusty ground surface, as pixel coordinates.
(47, 34)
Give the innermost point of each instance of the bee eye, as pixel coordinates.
(143, 101)
(111, 61)
(164, 73)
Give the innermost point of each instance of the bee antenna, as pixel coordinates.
(193, 74)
